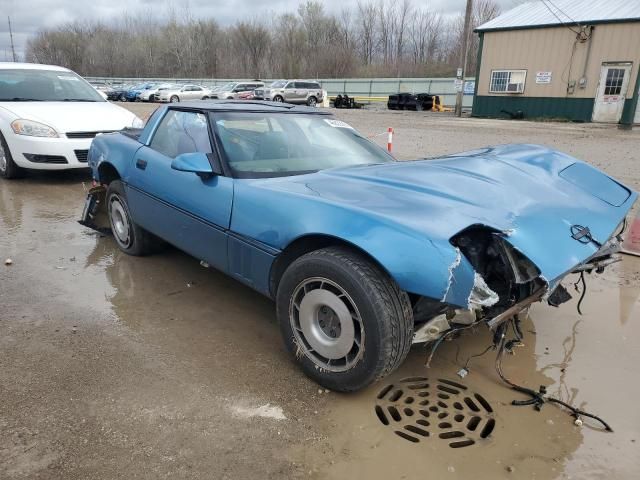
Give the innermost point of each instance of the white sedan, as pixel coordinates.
(48, 117)
(184, 92)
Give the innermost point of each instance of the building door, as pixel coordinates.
(612, 91)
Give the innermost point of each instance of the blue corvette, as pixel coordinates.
(362, 254)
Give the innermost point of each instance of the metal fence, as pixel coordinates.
(366, 90)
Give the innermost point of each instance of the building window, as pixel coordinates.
(507, 81)
(613, 85)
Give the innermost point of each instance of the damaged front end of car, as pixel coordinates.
(505, 283)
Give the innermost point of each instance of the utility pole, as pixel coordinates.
(462, 71)
(13, 48)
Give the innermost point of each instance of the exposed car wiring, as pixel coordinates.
(540, 397)
(584, 290)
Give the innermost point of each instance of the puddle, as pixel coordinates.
(223, 337)
(590, 361)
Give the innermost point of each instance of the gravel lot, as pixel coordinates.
(119, 367)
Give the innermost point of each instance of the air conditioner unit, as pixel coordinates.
(515, 87)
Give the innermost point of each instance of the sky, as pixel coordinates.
(29, 16)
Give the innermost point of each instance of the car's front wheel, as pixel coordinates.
(8, 168)
(278, 99)
(312, 101)
(345, 321)
(130, 238)
(174, 99)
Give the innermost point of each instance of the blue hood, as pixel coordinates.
(531, 193)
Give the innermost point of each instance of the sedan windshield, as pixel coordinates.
(30, 85)
(281, 144)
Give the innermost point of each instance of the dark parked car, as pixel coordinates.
(118, 92)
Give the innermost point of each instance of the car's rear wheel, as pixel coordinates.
(130, 238)
(278, 99)
(8, 168)
(174, 99)
(312, 101)
(345, 321)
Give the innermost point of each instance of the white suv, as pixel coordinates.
(292, 91)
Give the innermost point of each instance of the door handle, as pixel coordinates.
(141, 164)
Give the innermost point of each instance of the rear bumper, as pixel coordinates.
(48, 153)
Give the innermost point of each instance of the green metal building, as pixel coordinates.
(566, 59)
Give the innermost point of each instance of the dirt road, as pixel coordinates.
(113, 366)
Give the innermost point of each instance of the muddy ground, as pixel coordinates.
(120, 367)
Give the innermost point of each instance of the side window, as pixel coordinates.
(290, 85)
(196, 89)
(181, 132)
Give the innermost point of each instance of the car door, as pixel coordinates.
(290, 92)
(191, 212)
(196, 92)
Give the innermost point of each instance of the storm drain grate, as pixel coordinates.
(418, 408)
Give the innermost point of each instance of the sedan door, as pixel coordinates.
(191, 212)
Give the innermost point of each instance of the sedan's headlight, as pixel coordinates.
(32, 129)
(137, 123)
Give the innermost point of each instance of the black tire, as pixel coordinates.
(312, 101)
(385, 314)
(174, 99)
(8, 168)
(205, 98)
(278, 98)
(138, 241)
(123, 97)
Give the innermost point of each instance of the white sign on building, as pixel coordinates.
(543, 77)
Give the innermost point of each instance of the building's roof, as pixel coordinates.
(544, 13)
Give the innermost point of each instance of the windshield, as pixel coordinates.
(227, 87)
(23, 85)
(278, 84)
(280, 144)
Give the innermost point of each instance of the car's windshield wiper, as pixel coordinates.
(20, 99)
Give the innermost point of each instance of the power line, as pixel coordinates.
(562, 22)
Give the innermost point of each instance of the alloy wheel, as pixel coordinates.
(120, 223)
(327, 326)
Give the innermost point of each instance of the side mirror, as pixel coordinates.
(196, 162)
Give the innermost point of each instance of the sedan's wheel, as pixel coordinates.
(278, 99)
(123, 97)
(312, 101)
(8, 168)
(344, 319)
(174, 99)
(130, 238)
